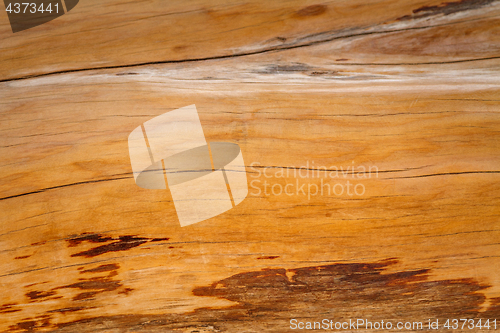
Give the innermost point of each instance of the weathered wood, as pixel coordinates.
(295, 84)
(115, 33)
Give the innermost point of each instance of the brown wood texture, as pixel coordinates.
(411, 88)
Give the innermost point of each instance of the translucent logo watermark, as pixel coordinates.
(310, 180)
(205, 179)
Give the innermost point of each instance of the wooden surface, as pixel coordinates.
(409, 87)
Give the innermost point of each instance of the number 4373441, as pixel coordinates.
(26, 7)
(470, 324)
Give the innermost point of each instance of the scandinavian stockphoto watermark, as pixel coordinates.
(310, 180)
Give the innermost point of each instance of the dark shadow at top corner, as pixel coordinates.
(70, 4)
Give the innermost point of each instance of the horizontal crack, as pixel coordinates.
(445, 174)
(62, 186)
(264, 167)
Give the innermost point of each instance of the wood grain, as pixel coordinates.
(114, 33)
(408, 87)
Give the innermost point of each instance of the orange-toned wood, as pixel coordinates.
(295, 84)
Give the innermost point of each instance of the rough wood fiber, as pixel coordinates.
(410, 87)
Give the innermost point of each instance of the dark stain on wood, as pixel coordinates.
(92, 287)
(318, 73)
(25, 326)
(446, 8)
(274, 40)
(101, 284)
(268, 257)
(85, 295)
(122, 243)
(180, 48)
(126, 291)
(313, 10)
(159, 239)
(270, 298)
(127, 73)
(102, 268)
(286, 69)
(296, 68)
(36, 295)
(8, 308)
(28, 325)
(92, 238)
(70, 309)
(22, 257)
